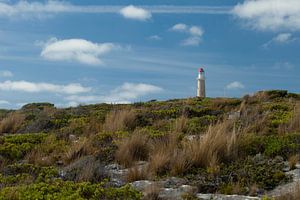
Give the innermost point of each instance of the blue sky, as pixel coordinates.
(87, 51)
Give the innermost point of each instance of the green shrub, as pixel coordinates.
(67, 190)
(198, 125)
(271, 146)
(26, 173)
(276, 93)
(14, 147)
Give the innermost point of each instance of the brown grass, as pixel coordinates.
(180, 162)
(180, 124)
(79, 148)
(293, 160)
(118, 120)
(294, 124)
(136, 173)
(11, 123)
(218, 144)
(177, 157)
(132, 148)
(164, 153)
(152, 193)
(292, 195)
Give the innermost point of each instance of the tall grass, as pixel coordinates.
(79, 148)
(11, 123)
(217, 144)
(180, 124)
(133, 148)
(291, 195)
(136, 173)
(118, 120)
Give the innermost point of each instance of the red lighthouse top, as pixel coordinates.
(201, 70)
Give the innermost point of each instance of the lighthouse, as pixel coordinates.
(201, 83)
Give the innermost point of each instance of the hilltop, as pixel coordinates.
(181, 148)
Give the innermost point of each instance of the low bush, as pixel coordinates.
(64, 190)
(15, 147)
(271, 146)
(48, 152)
(198, 125)
(238, 176)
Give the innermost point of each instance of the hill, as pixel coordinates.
(176, 149)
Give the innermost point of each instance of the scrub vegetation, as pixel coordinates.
(218, 145)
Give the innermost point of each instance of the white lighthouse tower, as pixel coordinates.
(201, 83)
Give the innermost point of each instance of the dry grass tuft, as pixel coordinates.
(294, 124)
(136, 173)
(11, 123)
(177, 157)
(133, 148)
(163, 154)
(218, 142)
(119, 120)
(180, 124)
(293, 160)
(79, 148)
(180, 162)
(292, 195)
(152, 193)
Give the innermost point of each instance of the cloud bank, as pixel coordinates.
(125, 93)
(4, 102)
(25, 9)
(270, 15)
(25, 86)
(136, 13)
(76, 50)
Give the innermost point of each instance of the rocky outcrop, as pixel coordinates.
(289, 187)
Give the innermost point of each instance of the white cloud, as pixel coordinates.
(283, 66)
(77, 50)
(196, 31)
(195, 34)
(155, 37)
(6, 73)
(180, 27)
(270, 15)
(282, 38)
(136, 13)
(4, 102)
(25, 86)
(191, 41)
(235, 85)
(126, 93)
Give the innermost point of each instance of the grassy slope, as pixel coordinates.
(242, 155)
